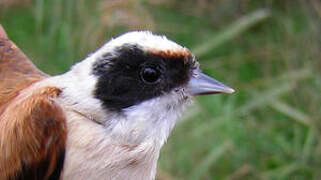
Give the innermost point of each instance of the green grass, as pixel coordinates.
(269, 51)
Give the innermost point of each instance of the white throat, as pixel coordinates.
(152, 120)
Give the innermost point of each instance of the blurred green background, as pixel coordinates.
(268, 50)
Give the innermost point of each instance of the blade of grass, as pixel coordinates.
(231, 32)
(280, 173)
(295, 114)
(210, 159)
(39, 14)
(293, 75)
(241, 172)
(308, 144)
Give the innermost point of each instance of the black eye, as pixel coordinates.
(150, 75)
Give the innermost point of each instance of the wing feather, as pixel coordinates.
(33, 136)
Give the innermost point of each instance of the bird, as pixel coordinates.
(105, 118)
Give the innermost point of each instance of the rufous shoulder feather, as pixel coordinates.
(32, 136)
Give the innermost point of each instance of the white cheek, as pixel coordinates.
(151, 120)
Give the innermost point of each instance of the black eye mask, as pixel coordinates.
(135, 76)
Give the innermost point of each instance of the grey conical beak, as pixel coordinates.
(201, 84)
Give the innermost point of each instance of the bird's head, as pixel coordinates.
(137, 84)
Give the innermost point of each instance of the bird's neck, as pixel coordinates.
(93, 153)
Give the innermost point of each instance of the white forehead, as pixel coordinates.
(144, 39)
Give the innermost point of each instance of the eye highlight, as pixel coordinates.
(150, 75)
